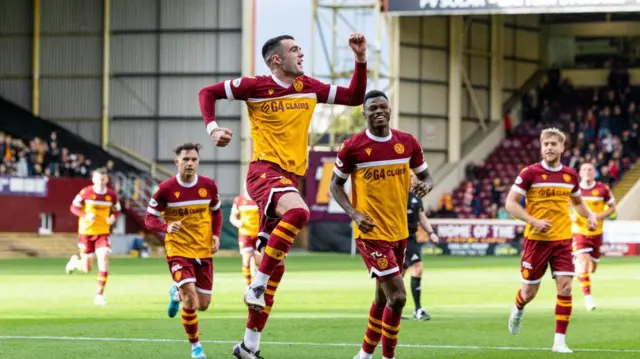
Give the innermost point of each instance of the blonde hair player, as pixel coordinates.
(549, 188)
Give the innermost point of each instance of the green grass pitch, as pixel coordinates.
(320, 311)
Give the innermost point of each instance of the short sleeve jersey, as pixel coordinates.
(380, 179)
(191, 204)
(100, 205)
(548, 193)
(596, 196)
(249, 215)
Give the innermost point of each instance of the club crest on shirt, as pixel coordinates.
(107, 198)
(298, 85)
(566, 177)
(177, 194)
(93, 196)
(399, 148)
(595, 192)
(202, 192)
(383, 263)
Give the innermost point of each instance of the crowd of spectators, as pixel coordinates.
(601, 126)
(42, 158)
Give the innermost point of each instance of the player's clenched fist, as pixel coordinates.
(364, 222)
(420, 188)
(174, 227)
(221, 136)
(358, 43)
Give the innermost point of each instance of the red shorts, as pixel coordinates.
(537, 255)
(89, 243)
(247, 243)
(266, 183)
(383, 259)
(192, 270)
(588, 244)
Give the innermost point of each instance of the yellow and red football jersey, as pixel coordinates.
(191, 204)
(99, 206)
(548, 192)
(380, 179)
(249, 215)
(597, 196)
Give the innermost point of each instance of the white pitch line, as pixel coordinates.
(417, 346)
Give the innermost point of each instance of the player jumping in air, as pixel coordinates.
(379, 160)
(97, 208)
(413, 258)
(280, 106)
(549, 188)
(246, 217)
(586, 242)
(190, 206)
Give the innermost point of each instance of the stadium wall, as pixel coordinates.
(427, 54)
(159, 54)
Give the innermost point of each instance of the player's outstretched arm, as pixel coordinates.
(238, 89)
(354, 94)
(154, 223)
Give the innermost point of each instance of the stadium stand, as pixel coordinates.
(602, 125)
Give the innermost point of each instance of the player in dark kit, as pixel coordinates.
(379, 161)
(281, 106)
(190, 206)
(413, 258)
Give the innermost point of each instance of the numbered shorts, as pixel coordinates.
(247, 243)
(192, 270)
(383, 259)
(89, 243)
(266, 183)
(414, 252)
(588, 244)
(538, 255)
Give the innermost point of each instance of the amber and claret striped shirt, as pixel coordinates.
(380, 179)
(596, 196)
(548, 192)
(99, 206)
(191, 204)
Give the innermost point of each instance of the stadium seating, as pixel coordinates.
(483, 193)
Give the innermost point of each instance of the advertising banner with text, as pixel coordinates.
(470, 7)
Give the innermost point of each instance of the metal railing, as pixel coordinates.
(135, 190)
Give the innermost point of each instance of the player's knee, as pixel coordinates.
(298, 215)
(416, 270)
(564, 288)
(190, 299)
(397, 300)
(202, 307)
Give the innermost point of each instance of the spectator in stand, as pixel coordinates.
(508, 125)
(502, 213)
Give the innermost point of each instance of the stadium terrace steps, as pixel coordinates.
(23, 245)
(628, 180)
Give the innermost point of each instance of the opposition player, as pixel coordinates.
(549, 188)
(379, 160)
(246, 217)
(280, 106)
(97, 208)
(413, 258)
(190, 206)
(587, 242)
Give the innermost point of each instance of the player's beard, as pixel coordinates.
(552, 159)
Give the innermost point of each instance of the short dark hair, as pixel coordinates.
(271, 45)
(187, 147)
(100, 170)
(373, 94)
